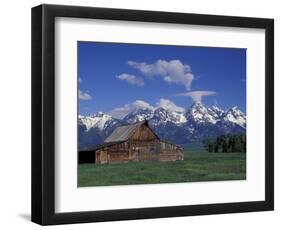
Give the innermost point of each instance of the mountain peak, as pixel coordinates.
(99, 114)
(161, 109)
(235, 115)
(138, 115)
(197, 107)
(163, 116)
(235, 110)
(97, 120)
(198, 113)
(216, 111)
(195, 104)
(215, 108)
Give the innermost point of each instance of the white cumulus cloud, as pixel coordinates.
(81, 94)
(173, 71)
(84, 95)
(169, 105)
(121, 112)
(131, 79)
(197, 95)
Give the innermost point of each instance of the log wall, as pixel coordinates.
(116, 157)
(139, 151)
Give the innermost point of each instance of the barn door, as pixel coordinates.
(135, 155)
(103, 157)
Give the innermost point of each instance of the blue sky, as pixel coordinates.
(114, 75)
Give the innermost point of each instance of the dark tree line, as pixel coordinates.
(226, 143)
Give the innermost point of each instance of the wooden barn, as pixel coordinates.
(135, 142)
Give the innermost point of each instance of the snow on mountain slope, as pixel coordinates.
(97, 120)
(200, 114)
(234, 115)
(215, 111)
(139, 115)
(163, 116)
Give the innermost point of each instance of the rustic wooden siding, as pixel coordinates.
(117, 157)
(170, 156)
(143, 145)
(145, 151)
(143, 133)
(170, 152)
(101, 156)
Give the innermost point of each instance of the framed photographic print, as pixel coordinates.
(142, 114)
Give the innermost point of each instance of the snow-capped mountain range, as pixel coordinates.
(194, 124)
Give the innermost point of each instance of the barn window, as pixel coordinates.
(169, 146)
(113, 148)
(121, 146)
(151, 149)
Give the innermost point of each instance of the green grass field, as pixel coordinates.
(196, 166)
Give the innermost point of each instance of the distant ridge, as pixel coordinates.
(194, 124)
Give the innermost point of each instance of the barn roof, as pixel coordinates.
(100, 146)
(123, 133)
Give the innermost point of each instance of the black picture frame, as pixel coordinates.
(43, 114)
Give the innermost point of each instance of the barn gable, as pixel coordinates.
(134, 131)
(143, 133)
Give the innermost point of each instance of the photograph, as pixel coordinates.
(150, 114)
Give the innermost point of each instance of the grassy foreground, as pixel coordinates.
(196, 166)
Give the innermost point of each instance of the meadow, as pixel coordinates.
(198, 165)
